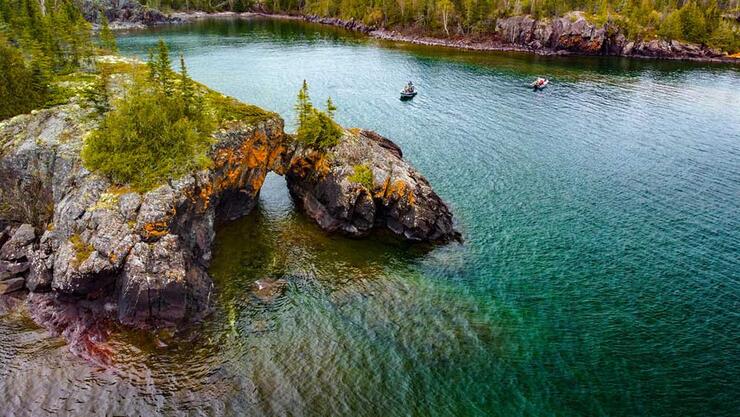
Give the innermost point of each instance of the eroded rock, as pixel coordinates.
(19, 246)
(399, 199)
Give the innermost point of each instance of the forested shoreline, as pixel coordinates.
(713, 23)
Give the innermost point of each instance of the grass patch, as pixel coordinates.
(363, 175)
(227, 109)
(82, 250)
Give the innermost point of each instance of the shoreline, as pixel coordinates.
(460, 43)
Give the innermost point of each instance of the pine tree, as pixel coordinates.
(303, 105)
(106, 35)
(186, 87)
(151, 65)
(163, 67)
(330, 107)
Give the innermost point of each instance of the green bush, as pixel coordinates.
(671, 27)
(363, 175)
(725, 38)
(147, 139)
(319, 131)
(155, 133)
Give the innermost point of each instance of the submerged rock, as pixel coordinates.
(267, 289)
(397, 198)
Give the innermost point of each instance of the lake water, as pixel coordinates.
(600, 273)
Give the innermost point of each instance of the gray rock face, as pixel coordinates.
(12, 285)
(123, 13)
(149, 251)
(573, 33)
(19, 246)
(399, 199)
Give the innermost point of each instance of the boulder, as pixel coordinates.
(19, 245)
(399, 199)
(12, 269)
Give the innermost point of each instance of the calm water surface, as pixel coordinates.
(599, 277)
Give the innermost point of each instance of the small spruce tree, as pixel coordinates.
(106, 35)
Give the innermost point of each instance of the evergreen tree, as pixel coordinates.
(330, 107)
(303, 105)
(106, 35)
(187, 89)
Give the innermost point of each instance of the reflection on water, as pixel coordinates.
(599, 276)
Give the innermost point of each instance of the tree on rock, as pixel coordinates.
(316, 128)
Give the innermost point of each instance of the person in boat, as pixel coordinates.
(409, 88)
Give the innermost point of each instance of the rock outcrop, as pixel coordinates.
(394, 197)
(149, 250)
(89, 248)
(124, 14)
(573, 33)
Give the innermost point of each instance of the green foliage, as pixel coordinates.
(22, 88)
(39, 39)
(107, 38)
(693, 23)
(316, 128)
(699, 19)
(671, 28)
(160, 67)
(362, 175)
(153, 134)
(725, 38)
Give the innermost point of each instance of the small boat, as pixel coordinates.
(408, 92)
(408, 95)
(540, 83)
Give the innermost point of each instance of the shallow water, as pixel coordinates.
(599, 274)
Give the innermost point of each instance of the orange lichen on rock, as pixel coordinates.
(399, 190)
(206, 191)
(155, 230)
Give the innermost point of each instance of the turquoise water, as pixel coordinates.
(599, 274)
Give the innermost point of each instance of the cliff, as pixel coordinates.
(93, 250)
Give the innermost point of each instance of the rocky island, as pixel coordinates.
(89, 248)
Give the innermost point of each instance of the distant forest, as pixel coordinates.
(711, 22)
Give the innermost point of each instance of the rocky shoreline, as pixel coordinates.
(93, 252)
(570, 35)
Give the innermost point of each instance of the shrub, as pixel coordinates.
(155, 133)
(319, 131)
(671, 27)
(725, 38)
(148, 139)
(363, 175)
